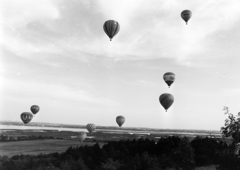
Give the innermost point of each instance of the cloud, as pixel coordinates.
(50, 91)
(148, 30)
(17, 13)
(47, 29)
(18, 33)
(231, 91)
(157, 31)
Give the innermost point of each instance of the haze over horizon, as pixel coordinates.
(55, 54)
(32, 126)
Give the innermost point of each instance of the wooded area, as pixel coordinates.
(142, 154)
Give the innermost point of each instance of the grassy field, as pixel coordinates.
(69, 138)
(98, 136)
(62, 140)
(35, 147)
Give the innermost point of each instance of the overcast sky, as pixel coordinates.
(55, 54)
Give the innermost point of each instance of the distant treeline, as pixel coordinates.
(40, 124)
(8, 138)
(142, 154)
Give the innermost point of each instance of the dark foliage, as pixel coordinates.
(208, 150)
(142, 154)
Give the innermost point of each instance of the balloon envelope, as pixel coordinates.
(91, 127)
(169, 78)
(35, 109)
(111, 28)
(186, 15)
(82, 136)
(120, 120)
(26, 117)
(166, 100)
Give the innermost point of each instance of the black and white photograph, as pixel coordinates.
(119, 85)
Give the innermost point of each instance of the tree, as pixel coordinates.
(111, 164)
(231, 129)
(74, 165)
(231, 126)
(184, 155)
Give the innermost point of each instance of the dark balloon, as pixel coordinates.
(26, 117)
(166, 100)
(82, 136)
(35, 109)
(186, 15)
(91, 127)
(169, 78)
(120, 120)
(111, 28)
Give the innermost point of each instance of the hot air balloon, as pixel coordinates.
(169, 78)
(82, 136)
(166, 100)
(35, 109)
(111, 28)
(120, 120)
(26, 117)
(186, 15)
(91, 127)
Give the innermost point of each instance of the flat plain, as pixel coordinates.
(35, 147)
(51, 138)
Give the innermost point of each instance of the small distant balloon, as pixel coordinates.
(26, 117)
(166, 100)
(169, 78)
(91, 127)
(82, 136)
(111, 28)
(120, 120)
(186, 15)
(35, 109)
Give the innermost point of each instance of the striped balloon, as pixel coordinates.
(26, 117)
(166, 100)
(120, 120)
(82, 136)
(111, 28)
(169, 78)
(91, 127)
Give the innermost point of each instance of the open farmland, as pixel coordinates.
(36, 147)
(36, 139)
(63, 138)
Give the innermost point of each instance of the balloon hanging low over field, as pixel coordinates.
(120, 120)
(91, 127)
(26, 117)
